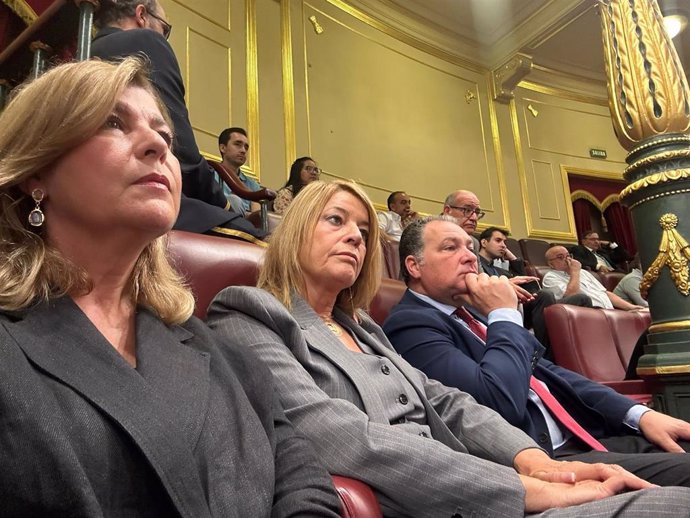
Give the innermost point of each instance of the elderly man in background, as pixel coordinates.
(629, 286)
(568, 278)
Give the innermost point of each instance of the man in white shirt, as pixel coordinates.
(398, 216)
(568, 278)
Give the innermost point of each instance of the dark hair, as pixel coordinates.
(489, 232)
(589, 233)
(294, 181)
(412, 241)
(391, 198)
(225, 134)
(112, 11)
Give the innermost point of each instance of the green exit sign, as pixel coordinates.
(597, 153)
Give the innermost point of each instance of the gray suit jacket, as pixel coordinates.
(328, 397)
(189, 432)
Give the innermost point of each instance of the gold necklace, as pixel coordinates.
(332, 325)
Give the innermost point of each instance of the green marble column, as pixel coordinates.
(650, 109)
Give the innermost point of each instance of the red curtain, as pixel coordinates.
(581, 210)
(621, 225)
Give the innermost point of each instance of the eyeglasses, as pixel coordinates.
(312, 170)
(468, 211)
(167, 28)
(560, 257)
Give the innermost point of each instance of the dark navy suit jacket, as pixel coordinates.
(497, 374)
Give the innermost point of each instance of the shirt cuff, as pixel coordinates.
(632, 417)
(506, 315)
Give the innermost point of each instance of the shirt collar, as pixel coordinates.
(444, 308)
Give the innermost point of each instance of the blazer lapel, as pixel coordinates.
(321, 339)
(62, 341)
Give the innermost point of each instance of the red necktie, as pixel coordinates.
(556, 409)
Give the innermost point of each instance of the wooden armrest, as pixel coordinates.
(238, 188)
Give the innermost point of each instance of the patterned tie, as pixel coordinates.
(550, 402)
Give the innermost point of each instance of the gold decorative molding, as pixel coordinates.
(601, 206)
(22, 9)
(674, 252)
(532, 110)
(648, 91)
(505, 78)
(656, 158)
(677, 325)
(469, 96)
(252, 69)
(318, 29)
(676, 139)
(659, 195)
(404, 37)
(562, 93)
(288, 84)
(656, 178)
(663, 369)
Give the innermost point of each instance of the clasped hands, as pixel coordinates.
(550, 483)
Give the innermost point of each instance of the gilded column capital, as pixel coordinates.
(648, 91)
(506, 77)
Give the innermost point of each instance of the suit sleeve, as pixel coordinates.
(498, 378)
(412, 475)
(606, 402)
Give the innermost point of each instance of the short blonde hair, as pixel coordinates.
(46, 119)
(281, 273)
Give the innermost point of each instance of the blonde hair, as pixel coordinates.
(46, 119)
(281, 273)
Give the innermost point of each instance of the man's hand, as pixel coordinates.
(523, 279)
(540, 495)
(573, 265)
(509, 256)
(522, 294)
(603, 268)
(486, 293)
(664, 430)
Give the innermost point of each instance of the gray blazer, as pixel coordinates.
(189, 432)
(328, 397)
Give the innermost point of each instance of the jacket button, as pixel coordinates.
(402, 398)
(385, 369)
(423, 434)
(543, 438)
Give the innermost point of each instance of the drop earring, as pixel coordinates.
(36, 216)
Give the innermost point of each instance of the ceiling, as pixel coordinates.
(560, 35)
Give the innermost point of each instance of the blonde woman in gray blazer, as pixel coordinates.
(426, 449)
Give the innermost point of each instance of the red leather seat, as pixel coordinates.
(598, 343)
(391, 258)
(533, 250)
(389, 294)
(210, 264)
(610, 279)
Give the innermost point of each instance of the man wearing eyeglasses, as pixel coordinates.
(131, 27)
(464, 207)
(568, 278)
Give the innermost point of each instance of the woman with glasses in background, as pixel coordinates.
(302, 172)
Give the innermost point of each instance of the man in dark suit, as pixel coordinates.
(439, 268)
(493, 246)
(597, 255)
(128, 27)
